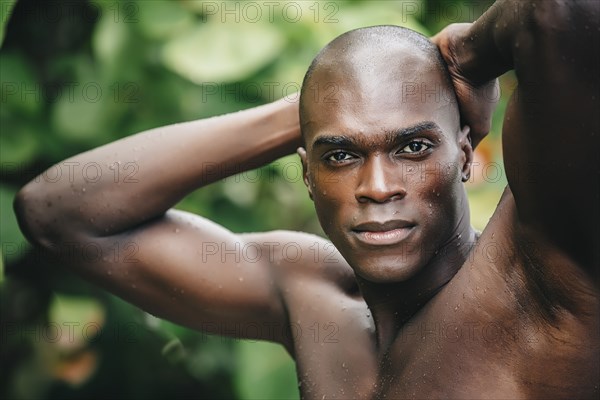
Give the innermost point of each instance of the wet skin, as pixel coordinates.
(407, 304)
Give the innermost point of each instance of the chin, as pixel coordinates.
(386, 269)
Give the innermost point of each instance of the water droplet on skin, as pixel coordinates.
(83, 190)
(109, 272)
(133, 286)
(241, 279)
(344, 365)
(220, 286)
(176, 230)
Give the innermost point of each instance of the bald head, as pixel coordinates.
(381, 61)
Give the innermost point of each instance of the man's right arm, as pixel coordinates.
(110, 219)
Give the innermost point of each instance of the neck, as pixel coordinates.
(394, 304)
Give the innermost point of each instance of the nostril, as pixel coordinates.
(398, 196)
(381, 197)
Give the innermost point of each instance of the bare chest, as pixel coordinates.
(345, 363)
(450, 349)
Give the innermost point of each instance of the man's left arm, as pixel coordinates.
(551, 125)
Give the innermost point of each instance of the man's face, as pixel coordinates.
(383, 165)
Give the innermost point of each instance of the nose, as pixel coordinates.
(379, 182)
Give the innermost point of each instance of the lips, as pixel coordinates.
(383, 233)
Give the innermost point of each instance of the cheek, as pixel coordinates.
(438, 189)
(329, 196)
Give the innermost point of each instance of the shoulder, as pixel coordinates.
(293, 254)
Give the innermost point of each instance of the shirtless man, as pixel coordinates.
(413, 309)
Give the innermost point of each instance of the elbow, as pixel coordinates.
(550, 32)
(32, 216)
(570, 18)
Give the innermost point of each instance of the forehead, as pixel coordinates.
(359, 99)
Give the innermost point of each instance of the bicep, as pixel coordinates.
(550, 135)
(194, 272)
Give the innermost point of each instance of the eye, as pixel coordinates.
(339, 156)
(415, 147)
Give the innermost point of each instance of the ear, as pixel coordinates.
(466, 147)
(302, 153)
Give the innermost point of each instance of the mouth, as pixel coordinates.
(383, 233)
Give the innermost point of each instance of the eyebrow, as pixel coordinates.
(392, 136)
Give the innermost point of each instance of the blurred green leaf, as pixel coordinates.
(174, 350)
(109, 39)
(78, 120)
(266, 372)
(14, 244)
(162, 19)
(18, 142)
(77, 319)
(6, 7)
(222, 52)
(20, 91)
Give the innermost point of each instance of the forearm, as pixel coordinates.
(521, 35)
(512, 33)
(484, 51)
(139, 177)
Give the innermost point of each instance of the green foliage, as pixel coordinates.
(6, 7)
